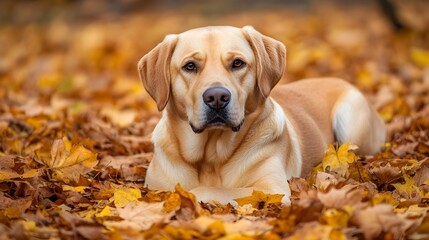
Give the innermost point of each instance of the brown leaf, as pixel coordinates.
(348, 195)
(69, 162)
(141, 216)
(384, 172)
(380, 219)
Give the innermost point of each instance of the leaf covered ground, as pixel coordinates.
(75, 126)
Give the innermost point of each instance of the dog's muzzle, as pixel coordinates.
(217, 100)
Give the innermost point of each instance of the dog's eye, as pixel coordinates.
(190, 67)
(237, 64)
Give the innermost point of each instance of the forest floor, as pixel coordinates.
(75, 128)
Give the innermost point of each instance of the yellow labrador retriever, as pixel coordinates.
(225, 131)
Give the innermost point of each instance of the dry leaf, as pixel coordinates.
(259, 199)
(406, 188)
(380, 219)
(337, 161)
(69, 162)
(349, 195)
(141, 216)
(126, 196)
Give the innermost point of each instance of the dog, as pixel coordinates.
(226, 131)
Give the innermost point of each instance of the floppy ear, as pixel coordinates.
(154, 71)
(270, 59)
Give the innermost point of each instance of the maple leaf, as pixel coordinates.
(408, 187)
(257, 198)
(337, 161)
(69, 162)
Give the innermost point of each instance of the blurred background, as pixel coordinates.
(73, 61)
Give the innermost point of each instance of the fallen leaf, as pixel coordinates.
(104, 213)
(314, 230)
(348, 195)
(420, 56)
(406, 188)
(140, 216)
(337, 161)
(79, 189)
(259, 199)
(336, 218)
(126, 196)
(324, 180)
(380, 219)
(69, 162)
(384, 198)
(8, 175)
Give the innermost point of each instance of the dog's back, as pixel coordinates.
(335, 110)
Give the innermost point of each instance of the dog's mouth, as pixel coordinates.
(217, 120)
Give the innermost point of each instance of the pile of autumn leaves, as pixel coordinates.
(64, 196)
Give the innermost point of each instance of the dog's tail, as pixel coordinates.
(356, 121)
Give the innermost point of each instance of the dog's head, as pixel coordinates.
(213, 76)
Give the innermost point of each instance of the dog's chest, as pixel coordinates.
(217, 152)
(209, 175)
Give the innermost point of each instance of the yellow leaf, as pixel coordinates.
(420, 56)
(313, 174)
(180, 233)
(381, 198)
(104, 213)
(88, 214)
(172, 202)
(336, 218)
(258, 198)
(398, 106)
(217, 227)
(187, 199)
(48, 82)
(8, 175)
(337, 161)
(79, 189)
(69, 162)
(13, 212)
(182, 192)
(237, 236)
(29, 225)
(406, 187)
(30, 174)
(122, 197)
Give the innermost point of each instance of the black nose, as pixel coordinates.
(216, 97)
